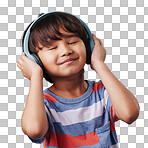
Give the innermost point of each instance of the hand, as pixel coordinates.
(98, 54)
(28, 67)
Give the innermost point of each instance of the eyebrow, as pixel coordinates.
(70, 35)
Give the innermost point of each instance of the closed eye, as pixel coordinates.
(68, 43)
(52, 48)
(73, 42)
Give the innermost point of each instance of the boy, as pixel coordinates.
(73, 112)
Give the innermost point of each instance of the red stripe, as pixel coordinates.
(50, 139)
(97, 86)
(67, 141)
(114, 117)
(49, 98)
(113, 114)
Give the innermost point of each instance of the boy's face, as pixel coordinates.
(64, 57)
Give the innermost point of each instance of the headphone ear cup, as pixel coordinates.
(34, 57)
(89, 44)
(37, 60)
(88, 53)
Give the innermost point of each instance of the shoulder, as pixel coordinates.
(47, 96)
(96, 85)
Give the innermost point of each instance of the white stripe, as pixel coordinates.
(106, 96)
(78, 115)
(115, 146)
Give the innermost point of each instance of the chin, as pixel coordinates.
(75, 72)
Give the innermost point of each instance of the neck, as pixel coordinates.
(71, 87)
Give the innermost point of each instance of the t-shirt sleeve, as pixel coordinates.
(37, 141)
(110, 107)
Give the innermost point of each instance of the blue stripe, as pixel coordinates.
(114, 139)
(79, 128)
(98, 145)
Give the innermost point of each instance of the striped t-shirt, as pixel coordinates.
(83, 122)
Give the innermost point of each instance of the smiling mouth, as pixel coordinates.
(69, 61)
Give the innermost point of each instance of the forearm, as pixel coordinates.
(34, 120)
(124, 102)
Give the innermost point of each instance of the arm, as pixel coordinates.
(124, 102)
(34, 120)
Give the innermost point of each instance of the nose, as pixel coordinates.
(65, 50)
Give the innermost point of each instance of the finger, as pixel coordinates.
(23, 54)
(100, 42)
(23, 57)
(96, 40)
(19, 66)
(19, 61)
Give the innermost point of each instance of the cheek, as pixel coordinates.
(47, 59)
(82, 53)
